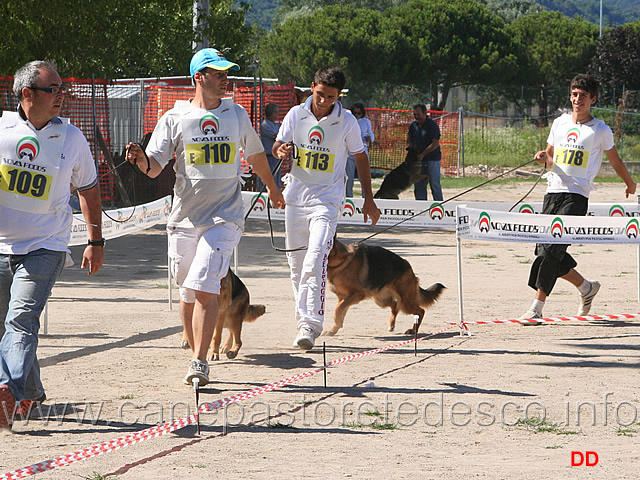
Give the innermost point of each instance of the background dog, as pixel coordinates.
(234, 308)
(401, 177)
(358, 271)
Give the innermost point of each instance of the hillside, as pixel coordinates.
(614, 12)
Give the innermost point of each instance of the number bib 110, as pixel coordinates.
(210, 139)
(210, 153)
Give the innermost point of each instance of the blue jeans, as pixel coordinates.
(26, 282)
(351, 175)
(432, 170)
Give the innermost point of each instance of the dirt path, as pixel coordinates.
(507, 402)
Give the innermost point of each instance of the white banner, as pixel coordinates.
(435, 214)
(125, 220)
(491, 225)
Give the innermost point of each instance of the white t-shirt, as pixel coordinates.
(301, 193)
(202, 202)
(366, 131)
(568, 139)
(24, 232)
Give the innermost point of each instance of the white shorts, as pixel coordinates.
(200, 257)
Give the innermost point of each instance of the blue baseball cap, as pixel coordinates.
(212, 58)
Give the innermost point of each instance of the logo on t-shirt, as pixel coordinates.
(209, 125)
(316, 135)
(573, 135)
(28, 147)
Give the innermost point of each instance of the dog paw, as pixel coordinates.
(214, 357)
(231, 354)
(391, 328)
(411, 331)
(329, 333)
(185, 345)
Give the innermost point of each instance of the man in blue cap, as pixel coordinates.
(206, 222)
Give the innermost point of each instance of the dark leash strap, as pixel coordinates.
(450, 199)
(253, 204)
(531, 189)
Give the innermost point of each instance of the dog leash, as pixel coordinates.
(295, 156)
(452, 198)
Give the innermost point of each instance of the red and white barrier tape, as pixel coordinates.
(157, 431)
(624, 316)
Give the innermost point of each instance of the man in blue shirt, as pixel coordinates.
(424, 135)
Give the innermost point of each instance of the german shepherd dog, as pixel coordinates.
(234, 308)
(358, 271)
(401, 177)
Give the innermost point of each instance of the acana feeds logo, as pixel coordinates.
(484, 222)
(526, 208)
(573, 135)
(348, 209)
(209, 125)
(632, 228)
(259, 204)
(28, 147)
(436, 211)
(316, 135)
(557, 227)
(616, 211)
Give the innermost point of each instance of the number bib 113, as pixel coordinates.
(317, 161)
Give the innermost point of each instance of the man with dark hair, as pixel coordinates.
(205, 134)
(324, 134)
(45, 154)
(574, 152)
(424, 135)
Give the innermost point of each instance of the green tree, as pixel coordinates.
(552, 49)
(357, 40)
(448, 43)
(617, 61)
(115, 38)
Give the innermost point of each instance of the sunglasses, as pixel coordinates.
(53, 90)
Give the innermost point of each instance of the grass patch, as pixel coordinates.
(626, 432)
(538, 425)
(480, 256)
(128, 396)
(385, 426)
(543, 377)
(99, 476)
(373, 413)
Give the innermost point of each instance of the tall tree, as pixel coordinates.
(617, 61)
(552, 49)
(114, 38)
(448, 43)
(355, 39)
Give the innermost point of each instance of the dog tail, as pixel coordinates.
(254, 312)
(429, 296)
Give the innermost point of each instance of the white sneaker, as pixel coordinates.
(197, 369)
(586, 300)
(531, 314)
(306, 338)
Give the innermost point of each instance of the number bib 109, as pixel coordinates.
(30, 164)
(24, 182)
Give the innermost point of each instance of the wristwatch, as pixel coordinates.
(96, 243)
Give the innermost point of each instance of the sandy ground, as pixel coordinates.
(507, 402)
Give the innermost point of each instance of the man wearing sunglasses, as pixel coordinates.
(40, 156)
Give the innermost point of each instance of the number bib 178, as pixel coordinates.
(24, 182)
(572, 161)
